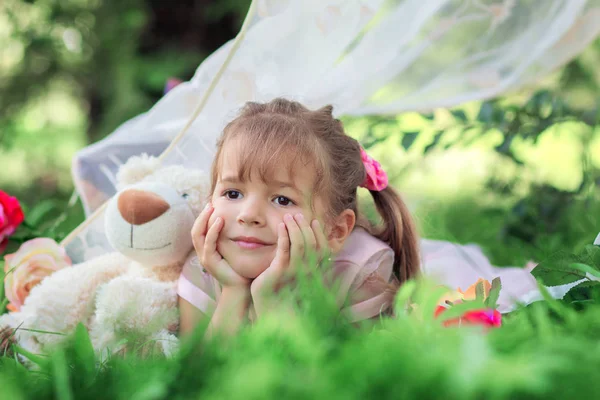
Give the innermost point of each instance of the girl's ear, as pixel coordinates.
(341, 228)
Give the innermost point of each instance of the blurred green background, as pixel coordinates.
(518, 174)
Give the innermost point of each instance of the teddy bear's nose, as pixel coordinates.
(138, 207)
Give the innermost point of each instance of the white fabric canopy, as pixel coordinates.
(363, 57)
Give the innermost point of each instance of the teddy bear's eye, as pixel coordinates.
(185, 195)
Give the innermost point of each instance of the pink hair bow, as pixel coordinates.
(376, 179)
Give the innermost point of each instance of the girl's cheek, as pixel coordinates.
(216, 213)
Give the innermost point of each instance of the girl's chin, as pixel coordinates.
(249, 272)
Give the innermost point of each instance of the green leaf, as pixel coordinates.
(559, 272)
(430, 301)
(403, 297)
(37, 214)
(588, 291)
(84, 356)
(552, 303)
(3, 305)
(492, 299)
(2, 275)
(486, 112)
(586, 269)
(42, 331)
(434, 142)
(479, 292)
(459, 115)
(408, 138)
(60, 369)
(505, 146)
(39, 360)
(591, 256)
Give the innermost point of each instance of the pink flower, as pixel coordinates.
(25, 269)
(487, 317)
(376, 179)
(11, 216)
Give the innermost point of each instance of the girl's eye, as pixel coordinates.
(232, 194)
(283, 201)
(185, 195)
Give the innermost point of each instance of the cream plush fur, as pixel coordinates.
(126, 299)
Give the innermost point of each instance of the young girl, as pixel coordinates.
(284, 182)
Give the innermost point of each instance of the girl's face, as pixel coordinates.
(251, 211)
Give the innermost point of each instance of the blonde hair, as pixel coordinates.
(283, 132)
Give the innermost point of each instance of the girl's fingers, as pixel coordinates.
(202, 220)
(282, 253)
(281, 261)
(210, 254)
(310, 242)
(201, 226)
(205, 242)
(224, 273)
(296, 239)
(271, 277)
(214, 263)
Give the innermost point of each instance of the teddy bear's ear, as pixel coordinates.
(136, 169)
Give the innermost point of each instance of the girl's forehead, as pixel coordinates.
(243, 161)
(285, 172)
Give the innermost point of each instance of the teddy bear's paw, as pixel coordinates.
(106, 343)
(31, 345)
(66, 298)
(139, 306)
(105, 353)
(162, 344)
(169, 343)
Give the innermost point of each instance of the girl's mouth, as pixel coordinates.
(250, 243)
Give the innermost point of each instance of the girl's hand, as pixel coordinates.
(295, 239)
(205, 243)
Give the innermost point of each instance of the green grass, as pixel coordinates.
(547, 350)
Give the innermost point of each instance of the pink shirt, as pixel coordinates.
(363, 258)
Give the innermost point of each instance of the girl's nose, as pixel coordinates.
(251, 214)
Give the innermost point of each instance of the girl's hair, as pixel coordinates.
(285, 133)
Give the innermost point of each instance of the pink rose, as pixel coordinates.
(11, 216)
(489, 318)
(35, 260)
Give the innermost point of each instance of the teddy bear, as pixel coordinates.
(126, 298)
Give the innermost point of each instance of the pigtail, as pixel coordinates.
(399, 231)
